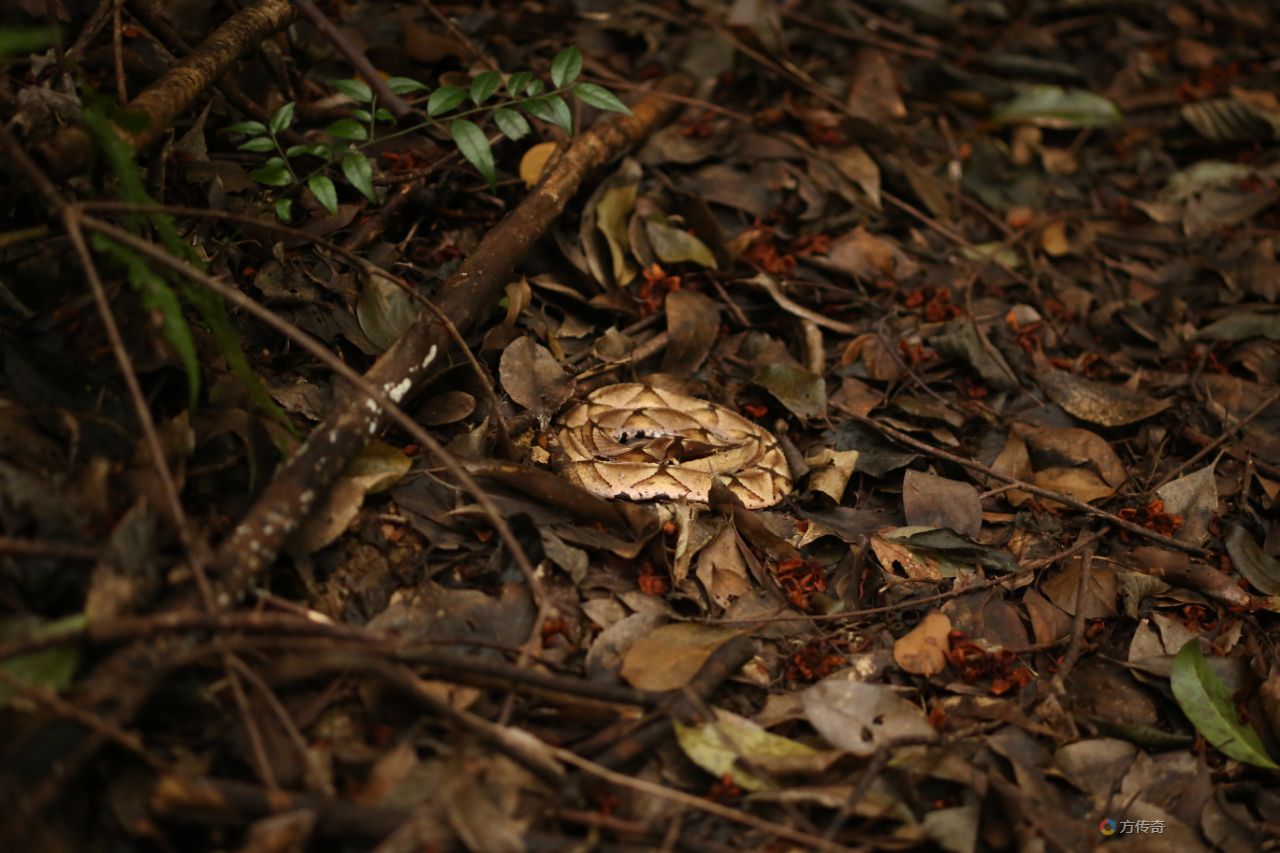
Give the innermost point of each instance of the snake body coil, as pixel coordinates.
(639, 442)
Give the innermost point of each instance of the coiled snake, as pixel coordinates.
(639, 442)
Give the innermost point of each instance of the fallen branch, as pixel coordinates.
(169, 97)
(465, 299)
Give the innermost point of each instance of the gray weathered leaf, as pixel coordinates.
(533, 378)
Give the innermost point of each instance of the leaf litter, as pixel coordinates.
(1001, 281)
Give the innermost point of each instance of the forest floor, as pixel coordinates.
(299, 548)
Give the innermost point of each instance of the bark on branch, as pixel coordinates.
(465, 299)
(169, 97)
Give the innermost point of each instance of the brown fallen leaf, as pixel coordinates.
(669, 657)
(923, 649)
(533, 378)
(931, 501)
(1099, 402)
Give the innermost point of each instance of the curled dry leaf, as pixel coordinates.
(608, 212)
(861, 718)
(674, 245)
(722, 569)
(379, 466)
(830, 470)
(923, 650)
(1099, 402)
(385, 310)
(1194, 497)
(770, 285)
(1254, 565)
(534, 162)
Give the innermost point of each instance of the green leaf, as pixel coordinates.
(359, 172)
(566, 67)
(284, 208)
(253, 128)
(159, 298)
(1056, 107)
(324, 191)
(510, 122)
(1208, 705)
(535, 87)
(673, 245)
(362, 115)
(357, 90)
(15, 41)
(517, 81)
(50, 668)
(274, 174)
(600, 98)
(718, 746)
(474, 146)
(130, 188)
(314, 149)
(444, 99)
(347, 128)
(258, 144)
(551, 109)
(405, 85)
(281, 118)
(384, 114)
(484, 85)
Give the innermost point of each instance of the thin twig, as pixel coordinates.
(1068, 500)
(376, 396)
(1078, 621)
(196, 551)
(399, 106)
(104, 728)
(689, 801)
(1222, 439)
(117, 48)
(910, 603)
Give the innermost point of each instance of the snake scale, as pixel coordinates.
(638, 442)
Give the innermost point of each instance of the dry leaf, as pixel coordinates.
(923, 650)
(671, 656)
(534, 162)
(930, 501)
(533, 378)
